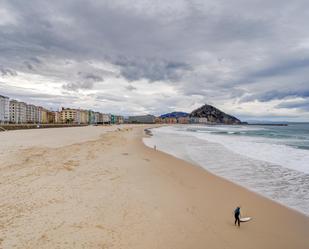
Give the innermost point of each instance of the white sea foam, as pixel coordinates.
(277, 171)
(264, 149)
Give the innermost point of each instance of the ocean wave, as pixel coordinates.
(273, 169)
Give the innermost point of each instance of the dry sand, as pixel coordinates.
(90, 188)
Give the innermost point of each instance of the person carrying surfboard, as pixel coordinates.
(237, 215)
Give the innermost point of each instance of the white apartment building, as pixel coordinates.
(4, 109)
(96, 117)
(106, 118)
(32, 114)
(18, 112)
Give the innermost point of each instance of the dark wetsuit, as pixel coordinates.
(237, 214)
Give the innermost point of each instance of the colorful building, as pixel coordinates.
(56, 118)
(69, 115)
(183, 120)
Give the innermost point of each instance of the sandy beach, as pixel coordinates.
(101, 187)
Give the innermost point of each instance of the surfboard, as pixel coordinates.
(245, 219)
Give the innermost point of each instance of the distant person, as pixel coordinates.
(237, 215)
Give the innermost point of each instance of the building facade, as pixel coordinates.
(18, 112)
(183, 120)
(69, 115)
(96, 118)
(4, 109)
(143, 119)
(56, 117)
(106, 118)
(84, 116)
(32, 115)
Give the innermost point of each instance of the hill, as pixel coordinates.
(214, 115)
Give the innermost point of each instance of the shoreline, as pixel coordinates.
(233, 167)
(115, 192)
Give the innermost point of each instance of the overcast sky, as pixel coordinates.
(249, 58)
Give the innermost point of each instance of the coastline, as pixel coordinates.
(114, 192)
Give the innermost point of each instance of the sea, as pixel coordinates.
(270, 160)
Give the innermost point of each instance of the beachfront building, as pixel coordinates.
(96, 117)
(43, 115)
(142, 119)
(18, 112)
(50, 117)
(69, 115)
(116, 119)
(84, 116)
(159, 120)
(91, 117)
(106, 118)
(119, 119)
(193, 120)
(100, 118)
(103, 118)
(32, 114)
(170, 120)
(183, 120)
(113, 118)
(4, 109)
(56, 118)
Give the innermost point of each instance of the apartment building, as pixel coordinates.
(142, 119)
(69, 115)
(118, 119)
(106, 118)
(91, 117)
(55, 118)
(32, 115)
(84, 116)
(4, 109)
(18, 112)
(183, 120)
(96, 117)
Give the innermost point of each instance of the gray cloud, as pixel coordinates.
(151, 69)
(219, 52)
(302, 105)
(130, 88)
(93, 77)
(78, 85)
(300, 91)
(7, 71)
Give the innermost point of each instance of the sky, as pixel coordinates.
(247, 58)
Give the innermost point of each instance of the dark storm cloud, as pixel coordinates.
(215, 51)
